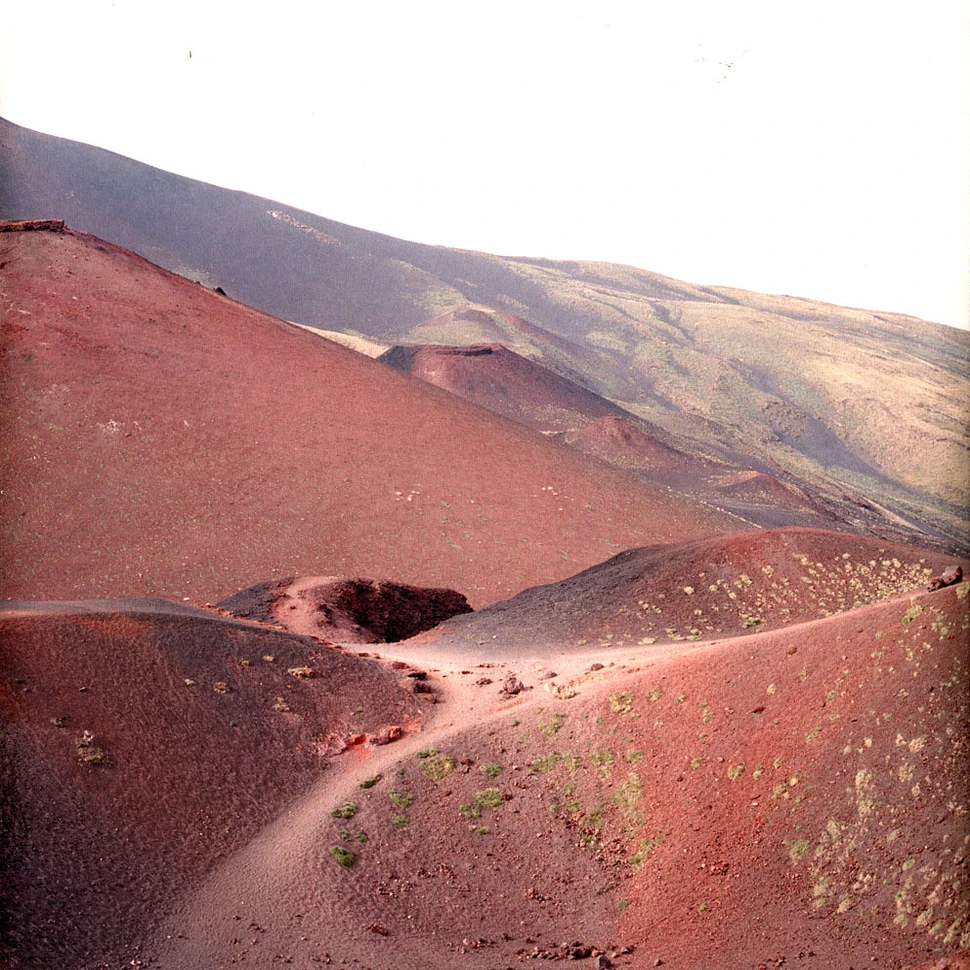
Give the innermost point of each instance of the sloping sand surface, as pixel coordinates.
(161, 439)
(795, 798)
(145, 742)
(722, 586)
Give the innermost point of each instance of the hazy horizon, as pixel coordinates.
(820, 152)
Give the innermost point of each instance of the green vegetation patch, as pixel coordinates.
(797, 848)
(371, 782)
(646, 848)
(401, 799)
(552, 726)
(627, 794)
(545, 762)
(911, 614)
(436, 766)
(489, 797)
(603, 760)
(343, 855)
(484, 799)
(347, 810)
(492, 770)
(621, 702)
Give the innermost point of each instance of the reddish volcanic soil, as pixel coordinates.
(722, 748)
(796, 797)
(161, 439)
(144, 743)
(706, 589)
(503, 382)
(531, 394)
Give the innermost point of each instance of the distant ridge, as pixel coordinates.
(525, 391)
(864, 410)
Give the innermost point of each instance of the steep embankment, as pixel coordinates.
(143, 744)
(161, 439)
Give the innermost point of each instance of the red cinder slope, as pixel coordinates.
(145, 742)
(711, 588)
(796, 799)
(161, 439)
(505, 383)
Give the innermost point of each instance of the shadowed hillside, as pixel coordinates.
(525, 391)
(867, 408)
(144, 743)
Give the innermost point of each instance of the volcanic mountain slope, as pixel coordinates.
(186, 790)
(525, 391)
(143, 744)
(868, 407)
(162, 439)
(797, 797)
(699, 590)
(503, 382)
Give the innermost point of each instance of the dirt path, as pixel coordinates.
(254, 889)
(271, 883)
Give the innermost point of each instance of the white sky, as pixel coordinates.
(831, 159)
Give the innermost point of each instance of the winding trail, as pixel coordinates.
(277, 889)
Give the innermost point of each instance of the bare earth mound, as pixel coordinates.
(143, 744)
(699, 590)
(796, 798)
(161, 439)
(348, 610)
(503, 382)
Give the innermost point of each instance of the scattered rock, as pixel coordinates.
(28, 225)
(512, 686)
(417, 686)
(949, 577)
(386, 735)
(302, 673)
